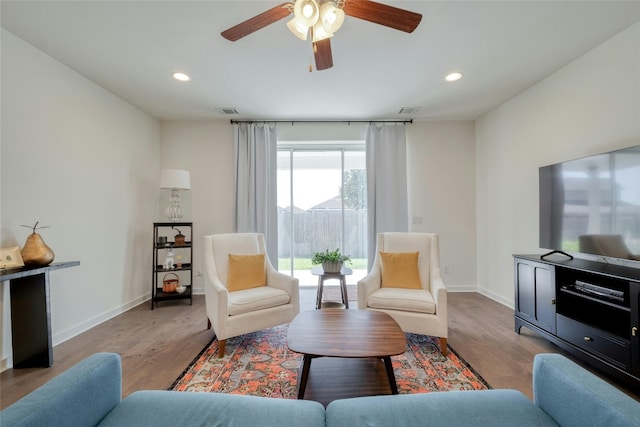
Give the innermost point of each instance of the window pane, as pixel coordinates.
(316, 191)
(354, 193)
(320, 207)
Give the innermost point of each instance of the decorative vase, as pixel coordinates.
(36, 252)
(332, 266)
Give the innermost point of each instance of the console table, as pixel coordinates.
(31, 314)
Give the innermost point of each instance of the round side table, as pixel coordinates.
(322, 276)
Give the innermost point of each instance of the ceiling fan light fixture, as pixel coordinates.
(331, 17)
(319, 33)
(299, 30)
(306, 12)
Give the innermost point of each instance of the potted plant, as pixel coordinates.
(331, 261)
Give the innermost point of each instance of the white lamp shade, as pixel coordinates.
(175, 179)
(298, 29)
(331, 17)
(306, 12)
(319, 33)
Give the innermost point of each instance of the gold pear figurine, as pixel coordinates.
(35, 251)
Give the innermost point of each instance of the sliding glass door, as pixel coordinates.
(321, 205)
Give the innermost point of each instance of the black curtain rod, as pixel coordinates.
(322, 121)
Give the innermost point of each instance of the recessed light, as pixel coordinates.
(181, 77)
(452, 77)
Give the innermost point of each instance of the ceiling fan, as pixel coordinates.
(322, 18)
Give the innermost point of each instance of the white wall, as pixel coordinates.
(441, 180)
(590, 106)
(82, 161)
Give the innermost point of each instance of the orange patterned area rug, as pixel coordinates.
(260, 364)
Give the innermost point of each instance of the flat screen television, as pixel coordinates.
(592, 206)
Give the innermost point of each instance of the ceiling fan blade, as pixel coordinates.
(322, 54)
(389, 16)
(257, 22)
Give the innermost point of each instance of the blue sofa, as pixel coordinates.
(89, 394)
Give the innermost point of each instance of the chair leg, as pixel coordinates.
(221, 345)
(443, 346)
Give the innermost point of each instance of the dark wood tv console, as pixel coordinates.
(590, 309)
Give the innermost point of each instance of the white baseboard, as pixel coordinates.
(461, 288)
(67, 334)
(496, 298)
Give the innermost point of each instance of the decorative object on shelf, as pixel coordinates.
(162, 240)
(179, 261)
(181, 289)
(332, 262)
(179, 239)
(35, 251)
(175, 180)
(10, 258)
(170, 282)
(168, 260)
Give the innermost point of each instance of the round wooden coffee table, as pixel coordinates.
(346, 334)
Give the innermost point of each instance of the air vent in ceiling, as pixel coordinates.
(409, 110)
(229, 111)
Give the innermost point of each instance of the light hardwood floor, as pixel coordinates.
(156, 346)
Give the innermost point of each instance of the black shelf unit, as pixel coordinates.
(184, 272)
(588, 308)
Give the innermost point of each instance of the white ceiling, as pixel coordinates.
(132, 47)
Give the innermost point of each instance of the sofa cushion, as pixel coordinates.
(400, 270)
(80, 396)
(575, 398)
(493, 408)
(417, 300)
(169, 408)
(254, 299)
(246, 272)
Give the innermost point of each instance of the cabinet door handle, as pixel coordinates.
(588, 339)
(634, 331)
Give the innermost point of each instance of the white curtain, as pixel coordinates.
(387, 207)
(255, 158)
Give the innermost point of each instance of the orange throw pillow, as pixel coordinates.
(400, 270)
(246, 272)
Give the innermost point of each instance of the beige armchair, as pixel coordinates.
(238, 312)
(421, 309)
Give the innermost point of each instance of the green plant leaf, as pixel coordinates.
(329, 256)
